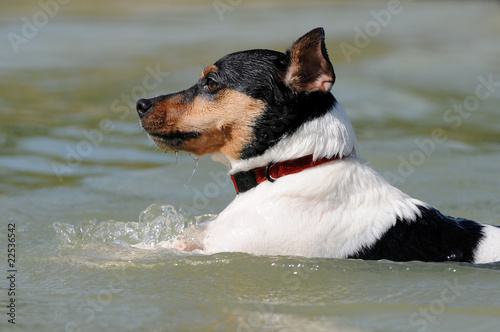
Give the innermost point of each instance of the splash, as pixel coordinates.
(159, 226)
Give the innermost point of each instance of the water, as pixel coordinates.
(96, 204)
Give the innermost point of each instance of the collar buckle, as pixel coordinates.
(268, 177)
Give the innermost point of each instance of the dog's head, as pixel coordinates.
(245, 102)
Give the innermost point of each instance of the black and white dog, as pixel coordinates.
(293, 157)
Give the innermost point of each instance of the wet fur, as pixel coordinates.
(255, 107)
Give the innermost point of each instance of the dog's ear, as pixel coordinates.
(310, 69)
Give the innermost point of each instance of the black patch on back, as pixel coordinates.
(431, 238)
(260, 75)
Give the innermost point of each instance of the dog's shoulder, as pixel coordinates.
(431, 237)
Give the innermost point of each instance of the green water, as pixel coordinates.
(78, 174)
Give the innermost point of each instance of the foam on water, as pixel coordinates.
(159, 226)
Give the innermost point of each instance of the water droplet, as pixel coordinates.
(197, 160)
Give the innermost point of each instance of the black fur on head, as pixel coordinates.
(279, 80)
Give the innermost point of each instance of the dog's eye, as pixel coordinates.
(211, 84)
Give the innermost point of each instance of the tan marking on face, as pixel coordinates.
(164, 117)
(225, 124)
(208, 70)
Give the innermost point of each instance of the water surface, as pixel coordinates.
(90, 195)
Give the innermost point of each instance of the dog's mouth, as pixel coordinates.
(173, 141)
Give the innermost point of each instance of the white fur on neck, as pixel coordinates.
(332, 210)
(326, 136)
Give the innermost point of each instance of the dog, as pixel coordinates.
(293, 157)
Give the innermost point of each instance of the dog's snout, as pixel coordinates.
(143, 106)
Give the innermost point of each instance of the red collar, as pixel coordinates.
(246, 180)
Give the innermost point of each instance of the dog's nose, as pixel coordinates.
(143, 106)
